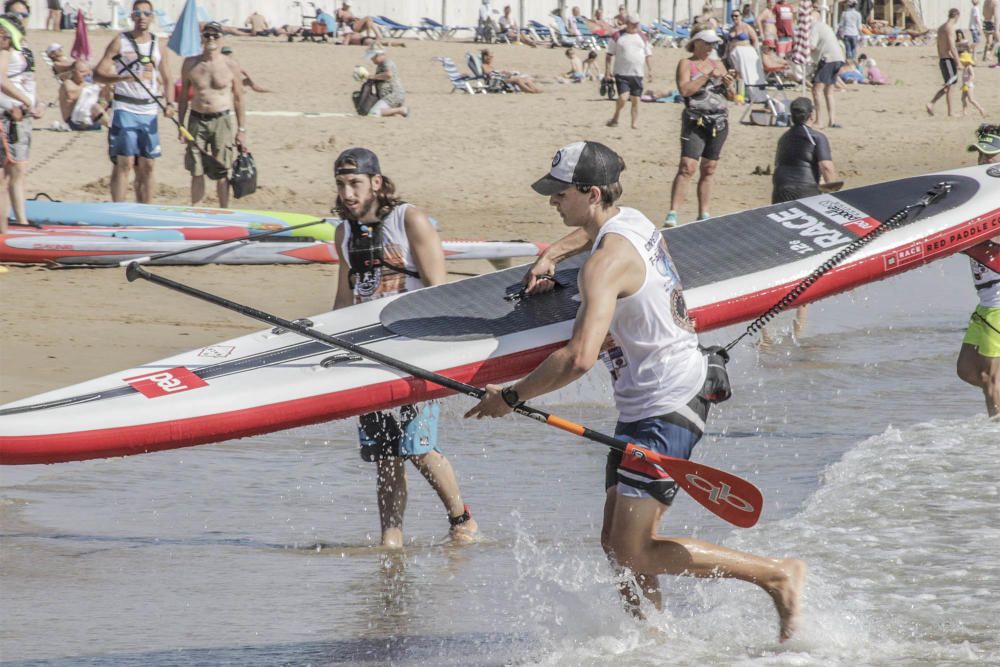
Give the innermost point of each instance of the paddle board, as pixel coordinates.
(88, 249)
(734, 267)
(122, 214)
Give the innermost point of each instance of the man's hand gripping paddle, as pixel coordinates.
(724, 494)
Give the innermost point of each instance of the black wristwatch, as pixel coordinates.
(510, 397)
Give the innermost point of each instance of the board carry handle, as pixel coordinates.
(214, 244)
(727, 496)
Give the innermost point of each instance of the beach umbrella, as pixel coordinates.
(800, 45)
(81, 44)
(185, 40)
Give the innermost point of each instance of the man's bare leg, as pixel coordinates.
(636, 546)
(15, 186)
(619, 105)
(828, 96)
(648, 585)
(222, 192)
(635, 112)
(437, 470)
(391, 489)
(982, 372)
(197, 189)
(120, 173)
(144, 184)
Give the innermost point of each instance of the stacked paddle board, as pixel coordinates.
(734, 267)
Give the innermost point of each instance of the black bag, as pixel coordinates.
(365, 98)
(244, 175)
(717, 387)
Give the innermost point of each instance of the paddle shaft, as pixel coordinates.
(159, 103)
(214, 244)
(709, 486)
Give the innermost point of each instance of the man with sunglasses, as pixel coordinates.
(979, 359)
(216, 89)
(135, 63)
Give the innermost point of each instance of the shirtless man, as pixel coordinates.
(134, 137)
(359, 25)
(62, 65)
(257, 26)
(947, 60)
(218, 90)
(991, 32)
(80, 101)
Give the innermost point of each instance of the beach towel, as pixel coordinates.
(746, 60)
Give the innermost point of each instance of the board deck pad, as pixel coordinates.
(704, 252)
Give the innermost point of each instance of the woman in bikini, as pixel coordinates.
(767, 23)
(522, 81)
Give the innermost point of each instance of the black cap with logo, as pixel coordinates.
(580, 163)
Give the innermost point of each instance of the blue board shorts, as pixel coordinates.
(674, 434)
(135, 135)
(411, 432)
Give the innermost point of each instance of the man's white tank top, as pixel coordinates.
(987, 282)
(131, 88)
(383, 282)
(657, 366)
(21, 77)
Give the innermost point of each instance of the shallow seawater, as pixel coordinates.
(877, 464)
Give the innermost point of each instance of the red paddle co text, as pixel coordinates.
(165, 382)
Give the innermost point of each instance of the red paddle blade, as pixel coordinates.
(727, 496)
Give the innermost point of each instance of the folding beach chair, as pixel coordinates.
(492, 83)
(464, 84)
(588, 39)
(562, 37)
(437, 30)
(538, 31)
(762, 108)
(395, 29)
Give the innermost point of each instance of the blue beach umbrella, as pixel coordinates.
(185, 40)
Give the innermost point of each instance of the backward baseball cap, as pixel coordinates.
(580, 163)
(357, 161)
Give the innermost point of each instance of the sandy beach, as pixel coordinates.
(467, 160)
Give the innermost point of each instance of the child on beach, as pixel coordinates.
(875, 75)
(590, 69)
(576, 72)
(968, 75)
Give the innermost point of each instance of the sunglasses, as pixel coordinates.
(140, 13)
(211, 35)
(22, 15)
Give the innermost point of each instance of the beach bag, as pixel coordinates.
(244, 175)
(365, 98)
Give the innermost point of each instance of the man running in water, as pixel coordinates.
(979, 359)
(386, 246)
(135, 62)
(630, 289)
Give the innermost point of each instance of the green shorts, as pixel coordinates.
(984, 331)
(217, 136)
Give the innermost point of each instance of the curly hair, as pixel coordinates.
(385, 198)
(987, 128)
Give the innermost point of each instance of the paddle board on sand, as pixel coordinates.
(734, 267)
(65, 248)
(122, 214)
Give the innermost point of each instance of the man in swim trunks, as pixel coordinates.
(387, 246)
(979, 359)
(630, 289)
(628, 63)
(947, 50)
(828, 57)
(218, 118)
(991, 29)
(134, 138)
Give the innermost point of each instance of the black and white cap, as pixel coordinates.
(580, 163)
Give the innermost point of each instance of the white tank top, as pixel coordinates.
(21, 77)
(657, 366)
(131, 88)
(383, 282)
(987, 282)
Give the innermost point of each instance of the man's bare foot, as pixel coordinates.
(392, 538)
(787, 595)
(634, 126)
(612, 123)
(930, 109)
(464, 533)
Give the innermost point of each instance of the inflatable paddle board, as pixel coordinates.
(734, 267)
(124, 214)
(84, 248)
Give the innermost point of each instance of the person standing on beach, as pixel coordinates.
(849, 29)
(947, 49)
(706, 86)
(386, 246)
(979, 358)
(991, 32)
(829, 59)
(217, 84)
(136, 64)
(628, 63)
(17, 107)
(630, 289)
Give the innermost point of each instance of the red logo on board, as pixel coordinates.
(165, 382)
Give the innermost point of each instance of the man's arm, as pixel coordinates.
(182, 104)
(614, 270)
(952, 48)
(425, 244)
(166, 77)
(106, 72)
(573, 243)
(345, 295)
(238, 103)
(827, 171)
